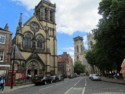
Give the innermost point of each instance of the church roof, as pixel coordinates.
(16, 54)
(78, 38)
(1, 29)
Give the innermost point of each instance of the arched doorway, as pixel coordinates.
(33, 68)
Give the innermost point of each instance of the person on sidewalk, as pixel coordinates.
(2, 82)
(123, 69)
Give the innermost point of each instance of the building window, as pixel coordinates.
(77, 58)
(40, 41)
(51, 16)
(81, 48)
(2, 38)
(27, 40)
(77, 49)
(1, 56)
(46, 14)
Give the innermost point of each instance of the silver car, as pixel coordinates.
(95, 77)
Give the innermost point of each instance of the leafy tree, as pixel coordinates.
(110, 35)
(79, 68)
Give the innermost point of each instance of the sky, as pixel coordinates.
(73, 18)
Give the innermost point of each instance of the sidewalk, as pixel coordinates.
(112, 80)
(7, 88)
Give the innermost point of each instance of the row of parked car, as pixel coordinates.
(39, 80)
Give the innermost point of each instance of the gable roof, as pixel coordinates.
(16, 54)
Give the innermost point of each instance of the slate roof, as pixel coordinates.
(17, 55)
(2, 29)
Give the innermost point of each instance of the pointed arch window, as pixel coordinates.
(51, 16)
(27, 40)
(40, 42)
(77, 49)
(81, 48)
(1, 55)
(46, 14)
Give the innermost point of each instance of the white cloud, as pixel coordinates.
(71, 16)
(85, 42)
(27, 3)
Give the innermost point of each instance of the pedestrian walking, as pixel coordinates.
(2, 83)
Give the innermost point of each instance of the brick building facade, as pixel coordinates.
(5, 46)
(65, 65)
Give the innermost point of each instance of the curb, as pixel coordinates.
(113, 81)
(7, 89)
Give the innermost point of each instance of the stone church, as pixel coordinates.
(37, 43)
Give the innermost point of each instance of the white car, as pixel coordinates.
(90, 75)
(95, 77)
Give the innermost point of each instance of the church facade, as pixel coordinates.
(36, 41)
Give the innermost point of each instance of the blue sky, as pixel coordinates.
(73, 18)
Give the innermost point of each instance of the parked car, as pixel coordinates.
(95, 77)
(90, 76)
(39, 80)
(60, 77)
(55, 78)
(48, 79)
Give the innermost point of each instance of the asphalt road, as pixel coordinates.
(79, 85)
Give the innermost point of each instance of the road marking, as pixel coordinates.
(83, 91)
(50, 86)
(68, 90)
(45, 88)
(85, 83)
(72, 87)
(77, 82)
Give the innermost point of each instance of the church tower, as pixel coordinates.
(36, 40)
(78, 49)
(45, 11)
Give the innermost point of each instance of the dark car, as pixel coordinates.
(49, 79)
(55, 78)
(39, 80)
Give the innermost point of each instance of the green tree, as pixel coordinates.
(110, 35)
(79, 68)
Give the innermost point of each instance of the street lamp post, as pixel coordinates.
(12, 74)
(46, 66)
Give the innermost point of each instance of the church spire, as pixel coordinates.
(20, 21)
(19, 27)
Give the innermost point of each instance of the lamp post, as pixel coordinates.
(46, 66)
(13, 59)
